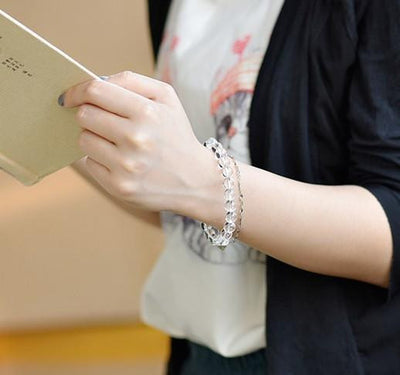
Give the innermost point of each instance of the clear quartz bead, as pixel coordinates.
(229, 195)
(210, 142)
(222, 240)
(227, 172)
(228, 184)
(223, 162)
(230, 206)
(213, 233)
(228, 236)
(231, 217)
(230, 228)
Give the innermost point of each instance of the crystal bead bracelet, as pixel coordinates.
(226, 235)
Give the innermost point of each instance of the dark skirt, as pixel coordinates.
(188, 358)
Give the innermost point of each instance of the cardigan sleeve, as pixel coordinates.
(374, 115)
(157, 14)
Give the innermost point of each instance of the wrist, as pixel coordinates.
(204, 200)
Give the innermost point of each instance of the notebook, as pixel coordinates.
(37, 136)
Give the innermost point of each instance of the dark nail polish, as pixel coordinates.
(61, 100)
(104, 78)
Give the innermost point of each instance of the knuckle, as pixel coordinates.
(126, 75)
(129, 165)
(131, 138)
(149, 110)
(166, 89)
(139, 141)
(146, 144)
(125, 189)
(93, 89)
(140, 167)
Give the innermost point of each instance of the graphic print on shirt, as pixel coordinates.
(169, 43)
(231, 98)
(229, 106)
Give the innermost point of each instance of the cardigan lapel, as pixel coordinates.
(307, 330)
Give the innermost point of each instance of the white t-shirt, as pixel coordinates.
(211, 53)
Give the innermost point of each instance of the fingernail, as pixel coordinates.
(104, 78)
(61, 100)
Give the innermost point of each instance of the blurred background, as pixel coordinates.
(71, 263)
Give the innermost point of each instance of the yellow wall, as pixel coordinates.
(107, 36)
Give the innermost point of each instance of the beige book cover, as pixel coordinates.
(37, 136)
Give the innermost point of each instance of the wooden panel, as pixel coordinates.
(117, 350)
(95, 345)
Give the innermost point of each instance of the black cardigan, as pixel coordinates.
(326, 110)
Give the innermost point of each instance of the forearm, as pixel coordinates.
(332, 230)
(149, 217)
(141, 149)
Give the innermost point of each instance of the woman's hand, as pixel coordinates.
(142, 150)
(140, 145)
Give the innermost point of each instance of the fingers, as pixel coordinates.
(105, 95)
(145, 86)
(99, 149)
(105, 124)
(99, 172)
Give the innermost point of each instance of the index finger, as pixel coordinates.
(105, 95)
